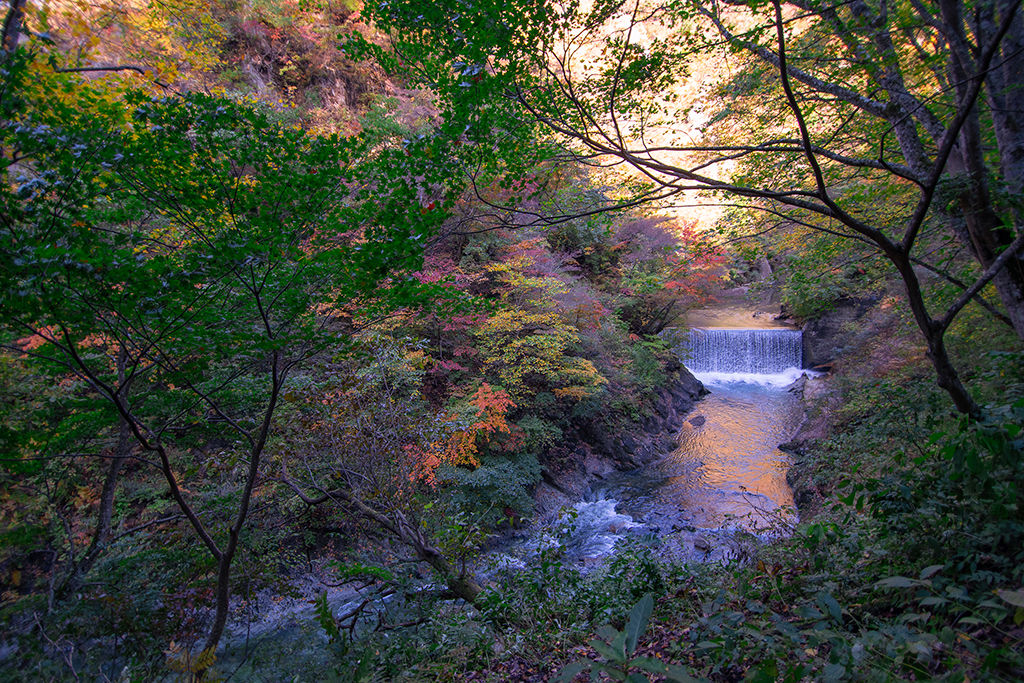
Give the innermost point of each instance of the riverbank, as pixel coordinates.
(597, 447)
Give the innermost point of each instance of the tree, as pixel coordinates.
(861, 101)
(525, 344)
(212, 252)
(364, 442)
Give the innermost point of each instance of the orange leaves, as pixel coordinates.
(492, 403)
(462, 444)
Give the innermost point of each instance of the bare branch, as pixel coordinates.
(979, 284)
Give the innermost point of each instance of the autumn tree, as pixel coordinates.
(210, 252)
(525, 343)
(865, 96)
(666, 269)
(359, 437)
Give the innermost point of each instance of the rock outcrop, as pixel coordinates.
(827, 335)
(598, 446)
(817, 400)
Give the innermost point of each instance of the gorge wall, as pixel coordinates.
(597, 446)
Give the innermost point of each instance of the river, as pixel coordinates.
(721, 488)
(727, 473)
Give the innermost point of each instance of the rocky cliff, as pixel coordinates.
(829, 334)
(601, 445)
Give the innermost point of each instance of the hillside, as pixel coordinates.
(322, 324)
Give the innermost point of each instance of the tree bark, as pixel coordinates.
(968, 169)
(933, 332)
(105, 513)
(1005, 91)
(13, 23)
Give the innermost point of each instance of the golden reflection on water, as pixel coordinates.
(733, 314)
(727, 470)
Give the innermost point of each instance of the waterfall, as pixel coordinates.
(763, 356)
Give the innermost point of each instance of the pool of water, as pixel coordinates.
(726, 475)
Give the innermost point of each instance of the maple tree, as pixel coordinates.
(666, 270)
(211, 252)
(486, 420)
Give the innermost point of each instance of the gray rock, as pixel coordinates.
(832, 331)
(797, 387)
(592, 449)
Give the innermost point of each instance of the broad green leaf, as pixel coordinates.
(766, 672)
(808, 612)
(569, 671)
(654, 666)
(897, 582)
(606, 650)
(681, 675)
(933, 600)
(834, 609)
(637, 623)
(834, 673)
(788, 629)
(1015, 598)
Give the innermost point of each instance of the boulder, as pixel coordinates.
(832, 331)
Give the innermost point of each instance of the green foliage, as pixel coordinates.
(496, 492)
(539, 434)
(617, 649)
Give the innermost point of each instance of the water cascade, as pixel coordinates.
(758, 356)
(727, 473)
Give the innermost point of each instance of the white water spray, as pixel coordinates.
(767, 357)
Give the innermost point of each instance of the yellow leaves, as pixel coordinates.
(531, 350)
(161, 38)
(524, 288)
(180, 659)
(415, 361)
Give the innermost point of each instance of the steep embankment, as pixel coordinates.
(608, 442)
(826, 339)
(856, 340)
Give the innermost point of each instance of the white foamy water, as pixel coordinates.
(777, 380)
(586, 532)
(598, 526)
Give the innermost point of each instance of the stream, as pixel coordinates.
(722, 488)
(727, 473)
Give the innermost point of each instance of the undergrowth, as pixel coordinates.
(911, 571)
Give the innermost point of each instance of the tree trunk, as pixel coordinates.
(279, 373)
(1006, 98)
(967, 164)
(1005, 89)
(207, 656)
(12, 25)
(105, 514)
(462, 584)
(934, 334)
